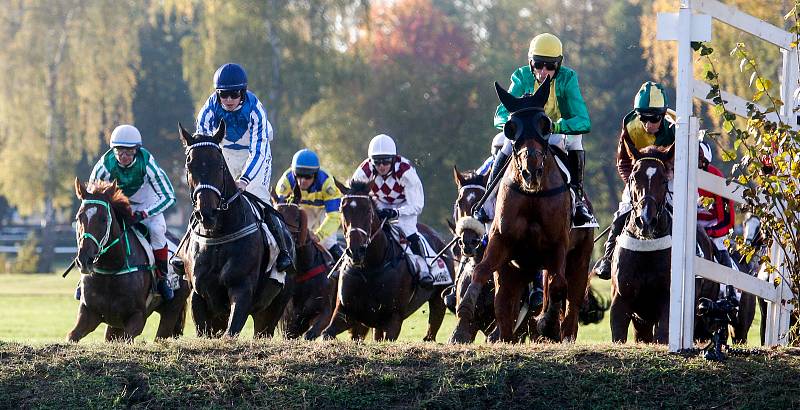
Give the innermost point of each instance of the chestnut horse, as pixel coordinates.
(532, 229)
(117, 282)
(228, 254)
(310, 293)
(380, 289)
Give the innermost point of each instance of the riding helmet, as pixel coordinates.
(545, 47)
(381, 146)
(651, 98)
(126, 136)
(305, 162)
(230, 76)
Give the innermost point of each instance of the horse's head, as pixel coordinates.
(207, 175)
(528, 126)
(648, 186)
(471, 187)
(360, 221)
(295, 217)
(96, 225)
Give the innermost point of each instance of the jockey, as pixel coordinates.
(649, 123)
(246, 144)
(718, 219)
(565, 107)
(397, 191)
(320, 197)
(147, 187)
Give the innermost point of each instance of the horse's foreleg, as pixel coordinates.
(435, 316)
(202, 316)
(662, 331)
(339, 323)
(134, 326)
(114, 334)
(620, 319)
(241, 302)
(392, 330)
(549, 324)
(319, 323)
(87, 323)
(497, 254)
(510, 285)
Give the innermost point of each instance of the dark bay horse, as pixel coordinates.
(532, 228)
(117, 282)
(380, 290)
(227, 254)
(309, 291)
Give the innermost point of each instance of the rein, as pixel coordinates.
(224, 203)
(103, 246)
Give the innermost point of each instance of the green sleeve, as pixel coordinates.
(517, 89)
(574, 114)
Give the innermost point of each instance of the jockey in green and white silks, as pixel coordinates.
(145, 184)
(565, 107)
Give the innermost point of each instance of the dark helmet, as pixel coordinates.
(230, 76)
(651, 98)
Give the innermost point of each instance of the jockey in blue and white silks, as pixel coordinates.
(248, 133)
(246, 145)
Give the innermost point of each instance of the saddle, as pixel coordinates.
(437, 269)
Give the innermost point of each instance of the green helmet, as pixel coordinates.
(651, 98)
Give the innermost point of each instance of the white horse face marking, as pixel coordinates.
(353, 204)
(650, 171)
(90, 213)
(470, 197)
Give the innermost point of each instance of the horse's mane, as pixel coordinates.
(655, 151)
(114, 196)
(359, 187)
(472, 178)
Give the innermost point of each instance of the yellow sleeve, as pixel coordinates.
(332, 197)
(283, 189)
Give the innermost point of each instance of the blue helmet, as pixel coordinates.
(305, 162)
(230, 76)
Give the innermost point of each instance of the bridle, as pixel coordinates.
(369, 235)
(224, 204)
(302, 237)
(461, 190)
(102, 245)
(659, 205)
(519, 137)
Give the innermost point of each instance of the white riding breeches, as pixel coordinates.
(259, 186)
(561, 141)
(157, 227)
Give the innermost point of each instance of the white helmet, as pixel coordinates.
(126, 136)
(706, 150)
(381, 145)
(497, 143)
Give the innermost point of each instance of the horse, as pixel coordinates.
(227, 255)
(117, 281)
(532, 229)
(380, 288)
(309, 291)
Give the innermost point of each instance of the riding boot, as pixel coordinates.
(577, 160)
(177, 263)
(283, 238)
(425, 280)
(536, 295)
(337, 253)
(602, 268)
(497, 166)
(162, 284)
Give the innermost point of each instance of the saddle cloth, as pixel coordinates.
(438, 269)
(272, 244)
(172, 278)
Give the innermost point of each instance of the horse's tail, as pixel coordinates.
(594, 307)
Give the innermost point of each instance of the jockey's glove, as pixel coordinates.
(139, 216)
(388, 214)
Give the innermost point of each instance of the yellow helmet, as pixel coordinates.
(545, 46)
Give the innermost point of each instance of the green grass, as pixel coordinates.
(41, 309)
(342, 374)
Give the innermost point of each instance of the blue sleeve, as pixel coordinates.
(207, 121)
(486, 167)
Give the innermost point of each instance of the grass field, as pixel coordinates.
(41, 309)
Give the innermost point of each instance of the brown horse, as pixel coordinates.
(311, 294)
(117, 283)
(380, 289)
(532, 228)
(227, 253)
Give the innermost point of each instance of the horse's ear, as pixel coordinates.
(511, 103)
(457, 176)
(342, 187)
(80, 189)
(220, 133)
(297, 194)
(451, 226)
(186, 138)
(114, 186)
(671, 152)
(542, 93)
(486, 179)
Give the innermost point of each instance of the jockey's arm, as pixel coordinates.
(624, 162)
(283, 189)
(332, 199)
(359, 174)
(517, 89)
(165, 194)
(260, 136)
(206, 118)
(99, 172)
(578, 122)
(415, 196)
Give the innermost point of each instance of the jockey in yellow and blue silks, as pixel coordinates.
(246, 144)
(565, 107)
(147, 187)
(320, 197)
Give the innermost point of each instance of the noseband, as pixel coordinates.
(369, 235)
(224, 203)
(660, 206)
(102, 245)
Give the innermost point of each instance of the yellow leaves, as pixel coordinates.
(763, 84)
